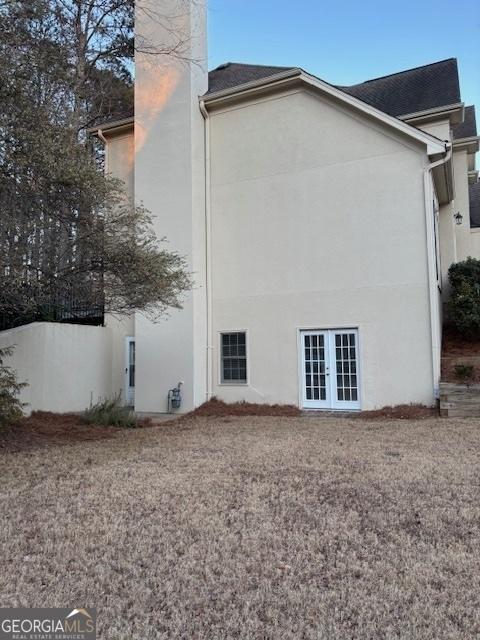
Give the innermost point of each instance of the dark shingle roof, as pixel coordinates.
(474, 193)
(112, 118)
(468, 127)
(233, 74)
(419, 89)
(433, 85)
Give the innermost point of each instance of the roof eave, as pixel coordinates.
(454, 112)
(111, 127)
(246, 87)
(470, 144)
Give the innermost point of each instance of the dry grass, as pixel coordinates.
(252, 528)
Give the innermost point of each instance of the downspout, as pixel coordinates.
(208, 255)
(433, 293)
(101, 136)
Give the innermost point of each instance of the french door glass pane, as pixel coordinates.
(346, 366)
(315, 379)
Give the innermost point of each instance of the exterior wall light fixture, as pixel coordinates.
(458, 218)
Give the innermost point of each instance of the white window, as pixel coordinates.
(233, 353)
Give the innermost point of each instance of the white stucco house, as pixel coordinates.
(319, 222)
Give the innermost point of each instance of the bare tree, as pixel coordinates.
(69, 238)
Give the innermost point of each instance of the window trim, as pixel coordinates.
(233, 383)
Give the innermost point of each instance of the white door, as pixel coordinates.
(330, 369)
(315, 371)
(130, 372)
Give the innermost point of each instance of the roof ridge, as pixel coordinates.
(398, 73)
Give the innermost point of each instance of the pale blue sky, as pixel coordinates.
(348, 42)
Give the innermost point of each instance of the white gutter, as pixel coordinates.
(432, 268)
(114, 124)
(208, 255)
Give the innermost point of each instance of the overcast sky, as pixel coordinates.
(346, 41)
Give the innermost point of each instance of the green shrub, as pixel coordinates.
(464, 303)
(110, 413)
(467, 270)
(464, 371)
(10, 405)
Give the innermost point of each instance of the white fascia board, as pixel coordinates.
(454, 112)
(282, 80)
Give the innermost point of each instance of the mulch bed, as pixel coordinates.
(400, 412)
(457, 350)
(456, 345)
(43, 429)
(215, 407)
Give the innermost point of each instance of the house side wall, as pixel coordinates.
(475, 243)
(318, 221)
(457, 241)
(465, 236)
(67, 366)
(440, 128)
(448, 245)
(120, 159)
(119, 163)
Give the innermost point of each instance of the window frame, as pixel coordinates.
(221, 380)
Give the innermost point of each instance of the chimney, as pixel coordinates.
(170, 74)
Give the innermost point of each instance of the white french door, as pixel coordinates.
(330, 369)
(130, 372)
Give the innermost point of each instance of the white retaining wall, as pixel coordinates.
(66, 365)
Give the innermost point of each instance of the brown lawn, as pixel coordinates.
(251, 528)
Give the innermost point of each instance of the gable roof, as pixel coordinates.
(474, 197)
(467, 128)
(428, 87)
(431, 86)
(295, 76)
